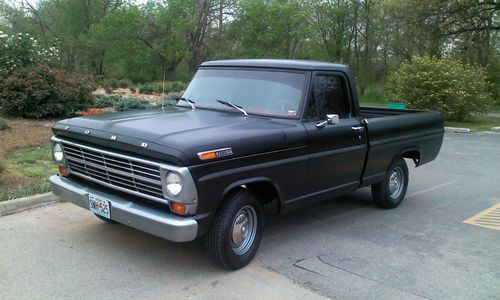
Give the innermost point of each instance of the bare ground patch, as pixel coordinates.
(24, 133)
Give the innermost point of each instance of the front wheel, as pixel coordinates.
(391, 192)
(236, 231)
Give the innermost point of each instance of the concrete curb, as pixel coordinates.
(17, 205)
(456, 129)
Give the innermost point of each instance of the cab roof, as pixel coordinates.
(309, 65)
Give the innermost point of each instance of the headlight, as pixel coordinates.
(174, 183)
(58, 153)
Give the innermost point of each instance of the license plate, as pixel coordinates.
(99, 206)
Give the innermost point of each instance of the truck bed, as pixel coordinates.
(415, 134)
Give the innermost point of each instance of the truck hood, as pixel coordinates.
(178, 134)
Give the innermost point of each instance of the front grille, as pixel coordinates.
(116, 171)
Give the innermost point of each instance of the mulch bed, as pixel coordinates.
(24, 133)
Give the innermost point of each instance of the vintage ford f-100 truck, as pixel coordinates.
(243, 134)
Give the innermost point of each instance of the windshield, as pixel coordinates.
(269, 93)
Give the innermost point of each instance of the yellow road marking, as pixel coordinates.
(489, 218)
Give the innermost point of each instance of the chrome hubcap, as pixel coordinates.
(396, 181)
(244, 229)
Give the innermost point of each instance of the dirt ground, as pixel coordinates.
(24, 133)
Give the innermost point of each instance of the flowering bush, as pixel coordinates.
(22, 50)
(460, 91)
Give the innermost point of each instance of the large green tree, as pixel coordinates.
(142, 42)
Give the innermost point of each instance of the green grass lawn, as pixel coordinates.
(26, 172)
(482, 123)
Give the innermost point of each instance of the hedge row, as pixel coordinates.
(121, 103)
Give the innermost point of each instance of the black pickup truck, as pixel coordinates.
(245, 133)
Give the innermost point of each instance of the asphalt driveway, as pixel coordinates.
(345, 248)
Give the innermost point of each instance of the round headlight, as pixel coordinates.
(57, 152)
(174, 183)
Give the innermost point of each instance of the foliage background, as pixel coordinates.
(123, 39)
(459, 91)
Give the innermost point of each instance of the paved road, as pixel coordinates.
(345, 248)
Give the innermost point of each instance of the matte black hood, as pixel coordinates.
(178, 134)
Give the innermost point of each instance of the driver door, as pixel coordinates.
(337, 151)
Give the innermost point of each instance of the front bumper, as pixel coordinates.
(139, 216)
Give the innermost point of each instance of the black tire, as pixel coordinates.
(105, 219)
(221, 238)
(388, 194)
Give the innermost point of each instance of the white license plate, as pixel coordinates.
(99, 206)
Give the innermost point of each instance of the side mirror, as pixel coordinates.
(330, 119)
(333, 119)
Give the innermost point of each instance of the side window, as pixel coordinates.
(328, 96)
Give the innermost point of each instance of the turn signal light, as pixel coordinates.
(207, 155)
(63, 171)
(177, 208)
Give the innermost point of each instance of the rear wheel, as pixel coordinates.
(391, 192)
(235, 235)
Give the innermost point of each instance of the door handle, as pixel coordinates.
(358, 129)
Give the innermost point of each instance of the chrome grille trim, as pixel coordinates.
(120, 172)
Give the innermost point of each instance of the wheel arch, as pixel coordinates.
(412, 152)
(264, 188)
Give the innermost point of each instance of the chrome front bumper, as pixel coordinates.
(139, 216)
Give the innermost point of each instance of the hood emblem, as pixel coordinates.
(113, 138)
(144, 145)
(87, 131)
(211, 154)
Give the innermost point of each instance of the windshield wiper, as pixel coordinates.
(236, 107)
(189, 101)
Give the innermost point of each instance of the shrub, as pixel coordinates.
(114, 84)
(146, 89)
(38, 92)
(133, 90)
(108, 90)
(175, 86)
(3, 124)
(170, 99)
(110, 85)
(124, 83)
(459, 91)
(102, 101)
(22, 50)
(92, 84)
(120, 103)
(126, 103)
(157, 87)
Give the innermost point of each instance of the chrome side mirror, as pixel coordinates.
(333, 119)
(330, 119)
